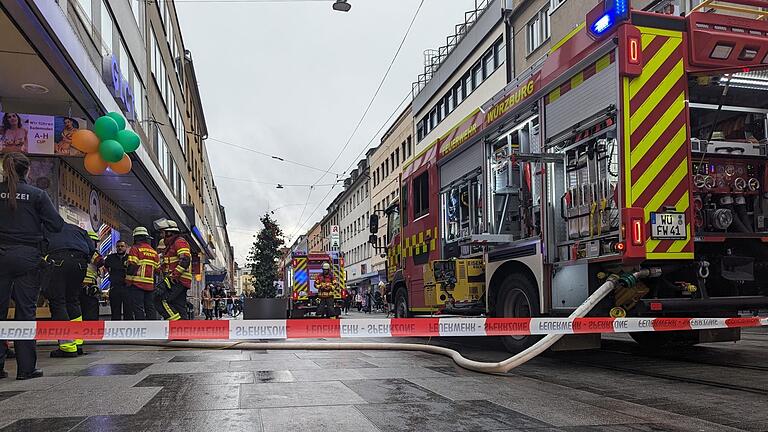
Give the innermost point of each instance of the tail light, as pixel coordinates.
(633, 233)
(344, 293)
(295, 295)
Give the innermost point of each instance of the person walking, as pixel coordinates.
(325, 282)
(358, 301)
(347, 303)
(116, 266)
(171, 301)
(218, 295)
(69, 255)
(142, 263)
(230, 303)
(25, 211)
(207, 301)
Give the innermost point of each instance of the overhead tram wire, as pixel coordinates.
(274, 184)
(275, 157)
(367, 146)
(365, 113)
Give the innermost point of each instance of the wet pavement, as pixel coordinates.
(132, 388)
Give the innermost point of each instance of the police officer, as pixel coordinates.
(171, 298)
(24, 211)
(70, 252)
(142, 264)
(324, 282)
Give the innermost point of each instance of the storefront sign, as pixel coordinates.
(119, 86)
(38, 134)
(461, 133)
(94, 210)
(334, 236)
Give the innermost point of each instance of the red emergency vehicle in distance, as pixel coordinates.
(304, 296)
(640, 141)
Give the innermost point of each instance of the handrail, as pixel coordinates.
(742, 7)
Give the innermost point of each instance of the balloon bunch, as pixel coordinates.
(108, 145)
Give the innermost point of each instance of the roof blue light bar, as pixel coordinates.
(614, 12)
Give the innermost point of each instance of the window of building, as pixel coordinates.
(420, 195)
(554, 4)
(137, 7)
(488, 66)
(500, 54)
(410, 148)
(85, 10)
(124, 60)
(477, 75)
(440, 111)
(138, 97)
(537, 30)
(397, 157)
(105, 29)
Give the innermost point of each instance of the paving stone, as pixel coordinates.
(317, 419)
(214, 378)
(326, 374)
(343, 363)
(401, 372)
(183, 367)
(392, 391)
(8, 394)
(42, 383)
(272, 365)
(193, 421)
(449, 416)
(331, 355)
(209, 358)
(78, 401)
(391, 362)
(114, 369)
(43, 424)
(195, 397)
(297, 394)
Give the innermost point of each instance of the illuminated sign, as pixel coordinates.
(119, 86)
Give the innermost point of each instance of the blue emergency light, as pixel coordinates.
(615, 11)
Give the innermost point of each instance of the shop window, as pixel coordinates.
(421, 195)
(106, 30)
(462, 210)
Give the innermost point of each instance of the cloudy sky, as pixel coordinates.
(292, 79)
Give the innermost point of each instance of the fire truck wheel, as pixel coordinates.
(401, 304)
(517, 298)
(297, 314)
(663, 340)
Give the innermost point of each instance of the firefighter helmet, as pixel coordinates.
(140, 231)
(326, 266)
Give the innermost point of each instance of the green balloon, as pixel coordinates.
(118, 118)
(105, 128)
(129, 140)
(111, 151)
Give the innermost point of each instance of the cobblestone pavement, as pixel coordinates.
(121, 388)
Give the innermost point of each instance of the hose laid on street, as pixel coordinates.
(490, 368)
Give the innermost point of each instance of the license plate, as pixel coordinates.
(668, 226)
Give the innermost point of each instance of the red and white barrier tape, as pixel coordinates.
(353, 328)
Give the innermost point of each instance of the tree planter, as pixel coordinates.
(265, 308)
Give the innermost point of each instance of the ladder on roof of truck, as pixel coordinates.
(760, 13)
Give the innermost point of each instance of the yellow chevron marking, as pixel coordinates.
(577, 80)
(554, 95)
(653, 135)
(657, 95)
(674, 180)
(646, 39)
(653, 65)
(661, 160)
(678, 245)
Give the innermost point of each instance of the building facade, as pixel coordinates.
(353, 213)
(68, 62)
(315, 238)
(386, 163)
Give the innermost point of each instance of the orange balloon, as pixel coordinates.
(94, 164)
(85, 141)
(123, 166)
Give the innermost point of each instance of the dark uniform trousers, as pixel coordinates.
(89, 305)
(172, 300)
(20, 280)
(64, 284)
(140, 303)
(120, 303)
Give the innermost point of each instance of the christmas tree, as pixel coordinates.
(263, 258)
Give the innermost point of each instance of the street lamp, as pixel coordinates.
(342, 6)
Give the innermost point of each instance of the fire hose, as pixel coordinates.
(612, 282)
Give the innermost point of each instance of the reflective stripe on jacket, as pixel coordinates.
(171, 262)
(147, 260)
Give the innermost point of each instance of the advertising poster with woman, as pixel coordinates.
(38, 134)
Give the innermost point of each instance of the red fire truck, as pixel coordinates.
(640, 140)
(305, 267)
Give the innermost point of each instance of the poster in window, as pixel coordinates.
(38, 134)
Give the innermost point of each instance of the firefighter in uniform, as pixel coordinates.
(142, 264)
(70, 254)
(171, 296)
(24, 211)
(325, 282)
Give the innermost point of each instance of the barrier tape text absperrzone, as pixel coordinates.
(353, 328)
